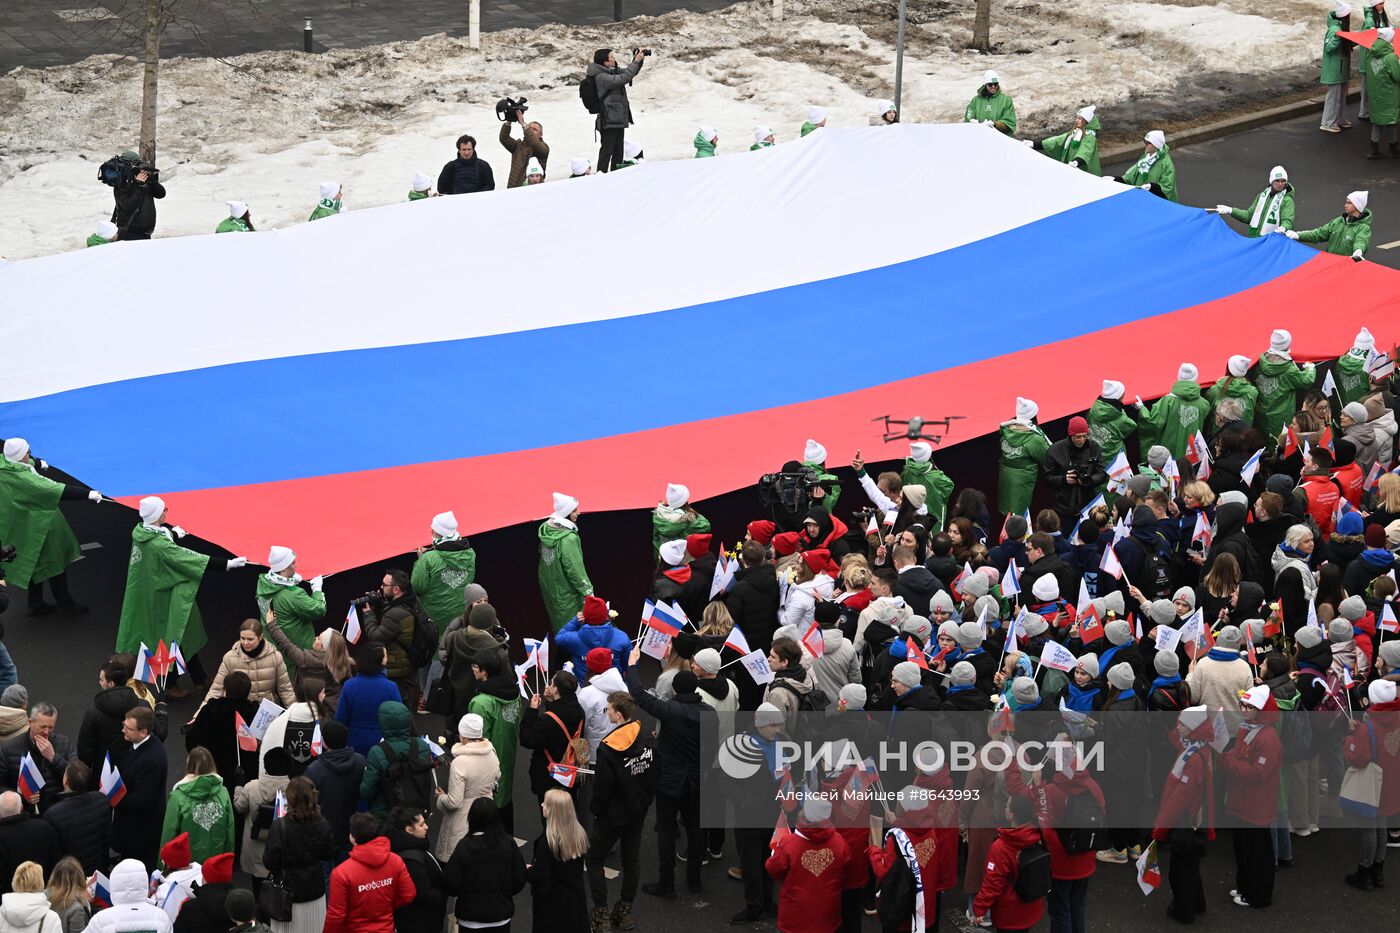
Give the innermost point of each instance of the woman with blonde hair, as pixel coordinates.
(556, 874)
(716, 620)
(67, 894)
(26, 908)
(1387, 506)
(328, 658)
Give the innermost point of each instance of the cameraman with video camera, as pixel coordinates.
(521, 151)
(1074, 469)
(135, 187)
(614, 113)
(391, 614)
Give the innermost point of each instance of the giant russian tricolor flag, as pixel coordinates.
(289, 385)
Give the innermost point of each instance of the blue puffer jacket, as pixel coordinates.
(576, 639)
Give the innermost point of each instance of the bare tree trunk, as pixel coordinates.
(150, 83)
(982, 27)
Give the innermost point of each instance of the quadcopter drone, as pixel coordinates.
(914, 428)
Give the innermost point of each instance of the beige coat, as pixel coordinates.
(12, 722)
(475, 771)
(247, 799)
(267, 671)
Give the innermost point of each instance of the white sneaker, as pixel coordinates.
(1301, 833)
(972, 920)
(1313, 827)
(1239, 901)
(1112, 856)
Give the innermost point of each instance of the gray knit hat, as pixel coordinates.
(970, 635)
(16, 696)
(1117, 632)
(1338, 631)
(1389, 653)
(1232, 496)
(907, 673)
(1034, 624)
(1310, 636)
(1253, 629)
(1229, 638)
(472, 593)
(1139, 485)
(919, 627)
(989, 604)
(1356, 412)
(976, 585)
(855, 696)
(1090, 663)
(1161, 612)
(950, 629)
(1113, 602)
(963, 674)
(941, 600)
(1121, 676)
(1186, 594)
(1352, 608)
(1166, 663)
(1157, 456)
(1025, 692)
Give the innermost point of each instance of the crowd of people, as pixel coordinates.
(1245, 568)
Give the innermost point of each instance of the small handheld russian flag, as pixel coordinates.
(99, 890)
(664, 621)
(143, 670)
(564, 774)
(317, 745)
(31, 781)
(246, 740)
(279, 806)
(111, 784)
(737, 641)
(352, 625)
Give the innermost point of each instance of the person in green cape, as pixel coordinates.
(440, 577)
(563, 580)
(990, 105)
(816, 119)
(239, 220)
(422, 187)
(1176, 417)
(674, 519)
(298, 611)
(1023, 449)
(1278, 380)
(1153, 171)
(1109, 425)
(31, 522)
(161, 581)
(1272, 209)
(106, 232)
(814, 459)
(1079, 147)
(920, 470)
(1236, 386)
(1349, 374)
(330, 203)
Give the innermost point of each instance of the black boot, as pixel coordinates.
(1378, 874)
(1395, 150)
(1361, 878)
(1375, 152)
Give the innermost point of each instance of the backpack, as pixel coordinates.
(813, 701)
(894, 898)
(577, 752)
(1294, 731)
(425, 635)
(1033, 872)
(588, 93)
(407, 782)
(1084, 825)
(1157, 575)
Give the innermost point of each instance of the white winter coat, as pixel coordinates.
(801, 604)
(474, 773)
(27, 913)
(594, 700)
(130, 911)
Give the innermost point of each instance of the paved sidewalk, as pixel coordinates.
(40, 33)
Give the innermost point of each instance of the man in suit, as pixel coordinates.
(137, 820)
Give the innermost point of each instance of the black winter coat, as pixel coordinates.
(425, 912)
(466, 176)
(136, 821)
(917, 585)
(484, 874)
(1086, 461)
(1052, 565)
(134, 210)
(624, 781)
(13, 751)
(337, 774)
(205, 911)
(294, 852)
(542, 733)
(678, 748)
(27, 838)
(214, 729)
(557, 890)
(1230, 539)
(753, 602)
(102, 726)
(695, 593)
(82, 822)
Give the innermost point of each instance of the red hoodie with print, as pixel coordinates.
(366, 889)
(814, 866)
(998, 891)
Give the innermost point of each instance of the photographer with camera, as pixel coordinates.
(466, 174)
(521, 151)
(391, 614)
(135, 187)
(614, 113)
(1074, 469)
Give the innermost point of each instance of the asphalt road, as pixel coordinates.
(1322, 167)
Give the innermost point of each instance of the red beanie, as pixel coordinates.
(698, 545)
(1077, 425)
(176, 853)
(218, 869)
(819, 559)
(762, 531)
(598, 660)
(785, 543)
(595, 610)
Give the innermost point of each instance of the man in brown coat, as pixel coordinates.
(522, 150)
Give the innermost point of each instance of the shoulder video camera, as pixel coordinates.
(117, 172)
(507, 106)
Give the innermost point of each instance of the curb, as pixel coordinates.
(1229, 127)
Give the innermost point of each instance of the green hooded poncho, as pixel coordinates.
(1174, 420)
(31, 521)
(161, 581)
(1067, 148)
(938, 484)
(1023, 451)
(1235, 387)
(563, 580)
(1278, 381)
(298, 613)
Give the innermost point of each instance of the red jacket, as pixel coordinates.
(1351, 480)
(1050, 800)
(1363, 630)
(942, 816)
(1183, 797)
(1322, 496)
(998, 891)
(814, 866)
(1252, 773)
(366, 889)
(1384, 718)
